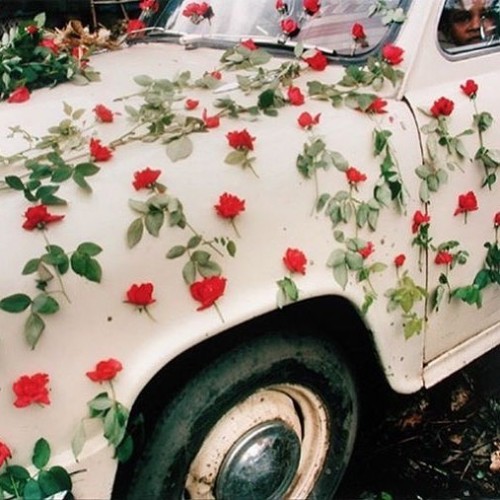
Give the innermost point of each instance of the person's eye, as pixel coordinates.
(488, 14)
(461, 16)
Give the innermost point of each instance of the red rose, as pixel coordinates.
(466, 203)
(469, 88)
(318, 61)
(367, 250)
(79, 54)
(5, 453)
(307, 121)
(377, 106)
(289, 26)
(50, 44)
(281, 6)
(191, 104)
(38, 217)
(354, 176)
(207, 291)
(32, 29)
(141, 295)
(496, 219)
(216, 74)
(21, 94)
(418, 219)
(392, 54)
(295, 261)
(31, 389)
(103, 113)
(198, 11)
(240, 140)
(135, 25)
(210, 121)
(151, 5)
(295, 96)
(105, 370)
(99, 152)
(229, 206)
(443, 257)
(442, 107)
(249, 44)
(145, 178)
(358, 31)
(311, 6)
(399, 260)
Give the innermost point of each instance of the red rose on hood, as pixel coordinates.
(5, 453)
(469, 88)
(207, 291)
(295, 96)
(103, 113)
(21, 94)
(392, 54)
(295, 261)
(399, 260)
(31, 389)
(307, 121)
(38, 217)
(249, 44)
(99, 152)
(442, 107)
(105, 370)
(418, 219)
(311, 6)
(466, 203)
(141, 295)
(317, 61)
(229, 206)
(240, 140)
(354, 176)
(367, 250)
(443, 257)
(145, 179)
(289, 26)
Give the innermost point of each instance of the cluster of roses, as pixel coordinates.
(198, 11)
(33, 389)
(290, 26)
(147, 7)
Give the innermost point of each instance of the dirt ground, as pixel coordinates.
(443, 443)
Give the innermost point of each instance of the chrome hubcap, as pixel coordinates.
(261, 464)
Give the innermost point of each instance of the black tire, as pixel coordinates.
(280, 361)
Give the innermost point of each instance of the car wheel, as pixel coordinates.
(274, 418)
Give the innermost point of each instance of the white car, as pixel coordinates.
(208, 253)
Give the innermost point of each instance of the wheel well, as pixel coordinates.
(331, 317)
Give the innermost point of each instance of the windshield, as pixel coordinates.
(328, 25)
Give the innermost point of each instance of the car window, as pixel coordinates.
(469, 25)
(329, 28)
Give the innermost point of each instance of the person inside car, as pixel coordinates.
(465, 22)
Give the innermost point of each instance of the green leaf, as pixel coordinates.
(44, 304)
(15, 303)
(41, 454)
(231, 248)
(18, 472)
(101, 402)
(135, 232)
(78, 441)
(153, 222)
(89, 248)
(143, 80)
(180, 148)
(49, 483)
(86, 266)
(189, 272)
(33, 329)
(235, 157)
(200, 257)
(14, 182)
(176, 251)
(61, 476)
(209, 269)
(194, 241)
(125, 449)
(32, 491)
(340, 275)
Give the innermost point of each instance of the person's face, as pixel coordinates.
(472, 24)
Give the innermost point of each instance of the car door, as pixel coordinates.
(453, 92)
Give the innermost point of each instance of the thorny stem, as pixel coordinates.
(218, 312)
(209, 243)
(235, 228)
(58, 275)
